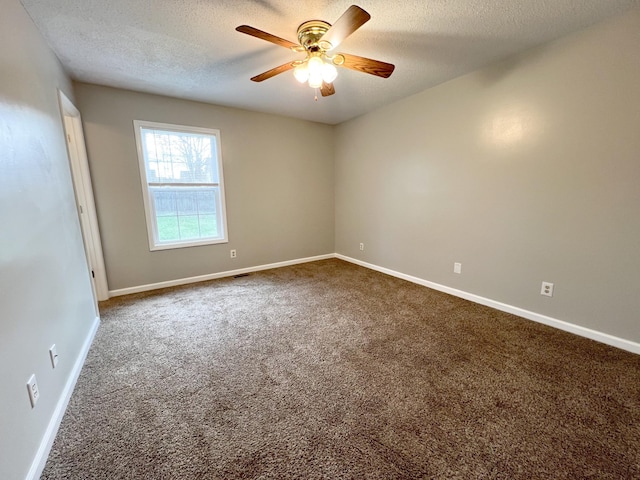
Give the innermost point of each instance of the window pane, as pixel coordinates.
(165, 201)
(189, 227)
(180, 157)
(186, 213)
(208, 226)
(168, 229)
(187, 201)
(207, 200)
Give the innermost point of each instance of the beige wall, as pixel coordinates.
(45, 292)
(525, 171)
(279, 186)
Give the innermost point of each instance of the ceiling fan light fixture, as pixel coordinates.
(301, 72)
(315, 64)
(329, 73)
(315, 79)
(315, 71)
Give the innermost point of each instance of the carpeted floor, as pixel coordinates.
(327, 370)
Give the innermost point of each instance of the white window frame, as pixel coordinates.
(149, 206)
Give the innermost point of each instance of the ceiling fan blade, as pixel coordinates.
(349, 22)
(273, 72)
(254, 32)
(327, 89)
(367, 65)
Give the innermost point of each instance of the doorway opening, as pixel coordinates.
(81, 177)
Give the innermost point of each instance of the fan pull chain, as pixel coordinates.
(316, 96)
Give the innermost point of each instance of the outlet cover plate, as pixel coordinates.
(32, 388)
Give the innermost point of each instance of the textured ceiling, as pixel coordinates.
(190, 49)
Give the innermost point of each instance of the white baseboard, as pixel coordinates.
(213, 276)
(529, 315)
(39, 461)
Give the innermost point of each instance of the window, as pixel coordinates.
(182, 183)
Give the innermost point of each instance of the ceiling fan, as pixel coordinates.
(317, 39)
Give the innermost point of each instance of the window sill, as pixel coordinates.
(197, 243)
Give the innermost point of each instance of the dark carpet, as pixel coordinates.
(327, 370)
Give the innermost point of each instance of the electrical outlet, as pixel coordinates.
(233, 253)
(362, 247)
(53, 354)
(547, 289)
(32, 388)
(457, 268)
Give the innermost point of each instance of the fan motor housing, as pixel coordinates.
(310, 33)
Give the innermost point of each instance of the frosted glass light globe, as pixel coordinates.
(315, 66)
(329, 72)
(301, 72)
(315, 79)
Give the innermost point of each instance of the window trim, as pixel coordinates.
(149, 207)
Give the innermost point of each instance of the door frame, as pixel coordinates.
(81, 176)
